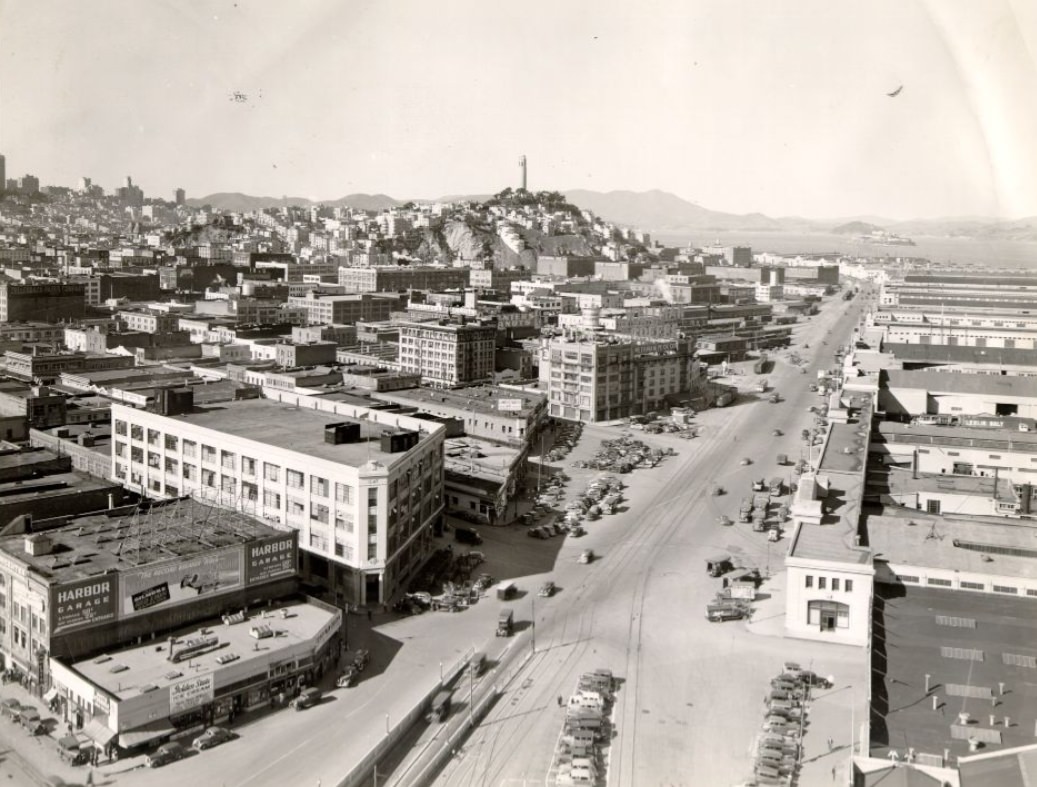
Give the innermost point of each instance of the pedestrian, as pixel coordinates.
(833, 773)
(830, 744)
(559, 700)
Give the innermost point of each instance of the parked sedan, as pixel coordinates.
(213, 736)
(165, 754)
(547, 589)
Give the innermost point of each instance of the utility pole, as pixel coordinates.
(471, 694)
(533, 605)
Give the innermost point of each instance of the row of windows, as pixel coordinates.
(822, 583)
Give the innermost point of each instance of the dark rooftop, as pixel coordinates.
(133, 536)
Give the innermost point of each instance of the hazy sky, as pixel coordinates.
(778, 107)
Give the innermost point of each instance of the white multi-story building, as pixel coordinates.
(362, 487)
(449, 354)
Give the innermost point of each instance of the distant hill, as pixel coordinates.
(236, 202)
(660, 211)
(857, 228)
(663, 212)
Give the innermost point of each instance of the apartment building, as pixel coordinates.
(362, 488)
(41, 302)
(597, 378)
(325, 309)
(448, 354)
(398, 278)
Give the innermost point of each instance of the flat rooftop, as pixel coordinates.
(146, 666)
(478, 399)
(949, 382)
(129, 537)
(955, 544)
(909, 648)
(904, 482)
(846, 449)
(964, 436)
(294, 429)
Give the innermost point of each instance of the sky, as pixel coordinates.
(776, 107)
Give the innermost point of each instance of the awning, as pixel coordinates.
(52, 692)
(149, 732)
(98, 733)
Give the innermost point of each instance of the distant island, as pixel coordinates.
(863, 232)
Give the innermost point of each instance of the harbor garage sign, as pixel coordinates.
(85, 602)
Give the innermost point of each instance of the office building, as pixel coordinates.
(448, 354)
(362, 488)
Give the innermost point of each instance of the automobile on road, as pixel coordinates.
(165, 754)
(213, 736)
(586, 556)
(547, 589)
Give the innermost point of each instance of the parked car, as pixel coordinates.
(307, 698)
(466, 535)
(213, 736)
(586, 556)
(547, 589)
(165, 754)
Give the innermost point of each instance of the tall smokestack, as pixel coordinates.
(522, 169)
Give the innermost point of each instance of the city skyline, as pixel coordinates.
(719, 104)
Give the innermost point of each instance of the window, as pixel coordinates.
(319, 512)
(120, 428)
(271, 472)
(318, 486)
(822, 583)
(190, 471)
(153, 435)
(208, 477)
(971, 585)
(249, 490)
(190, 449)
(136, 454)
(248, 466)
(372, 550)
(208, 453)
(172, 465)
(809, 581)
(227, 460)
(907, 578)
(137, 432)
(835, 583)
(344, 521)
(1005, 589)
(153, 460)
(318, 542)
(340, 549)
(271, 499)
(296, 508)
(120, 450)
(932, 506)
(294, 478)
(848, 586)
(229, 485)
(943, 583)
(171, 442)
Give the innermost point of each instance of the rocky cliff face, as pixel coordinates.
(471, 241)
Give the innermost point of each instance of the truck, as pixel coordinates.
(761, 365)
(776, 487)
(775, 398)
(758, 485)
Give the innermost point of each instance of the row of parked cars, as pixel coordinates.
(173, 751)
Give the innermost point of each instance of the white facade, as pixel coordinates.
(363, 525)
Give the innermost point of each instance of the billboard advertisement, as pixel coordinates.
(270, 558)
(175, 582)
(84, 602)
(190, 693)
